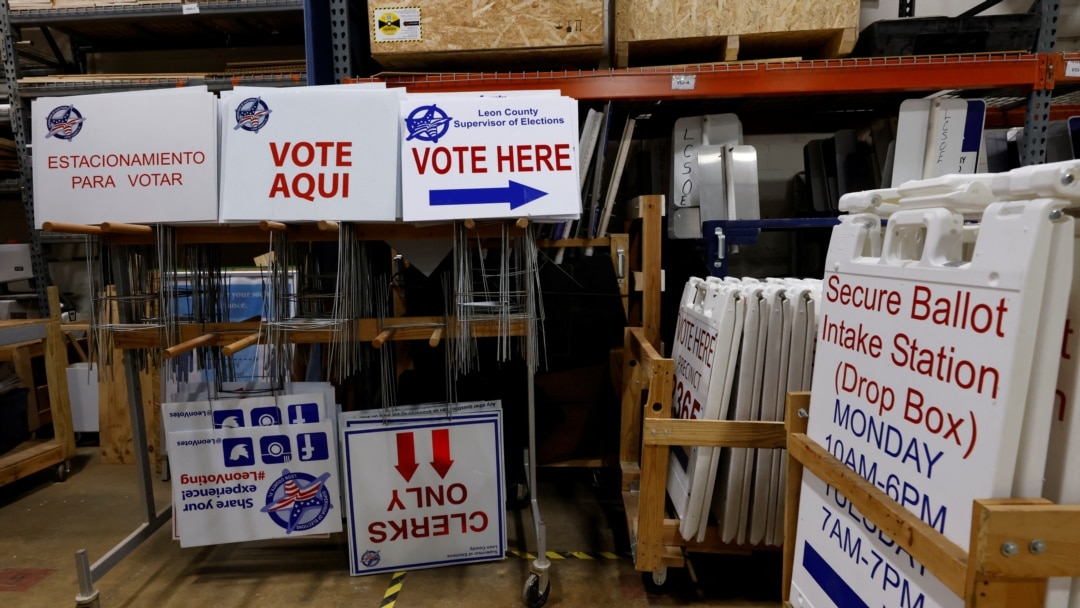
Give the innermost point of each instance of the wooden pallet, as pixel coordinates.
(695, 31)
(811, 44)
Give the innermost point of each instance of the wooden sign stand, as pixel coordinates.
(1016, 543)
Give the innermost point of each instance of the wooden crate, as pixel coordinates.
(694, 31)
(491, 35)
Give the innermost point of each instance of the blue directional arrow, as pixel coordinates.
(516, 194)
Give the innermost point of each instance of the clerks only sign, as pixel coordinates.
(139, 157)
(489, 157)
(424, 492)
(310, 153)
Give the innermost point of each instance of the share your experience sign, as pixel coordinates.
(489, 157)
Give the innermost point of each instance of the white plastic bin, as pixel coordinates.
(83, 392)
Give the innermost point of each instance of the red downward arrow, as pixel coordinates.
(406, 456)
(440, 448)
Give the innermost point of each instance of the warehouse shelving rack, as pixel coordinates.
(1027, 83)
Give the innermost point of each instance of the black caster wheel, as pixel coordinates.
(655, 583)
(61, 472)
(531, 595)
(517, 497)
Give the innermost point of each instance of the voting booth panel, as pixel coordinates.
(921, 378)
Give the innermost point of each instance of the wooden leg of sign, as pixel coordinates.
(630, 426)
(798, 404)
(658, 372)
(56, 363)
(988, 583)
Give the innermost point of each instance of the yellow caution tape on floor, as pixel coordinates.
(392, 591)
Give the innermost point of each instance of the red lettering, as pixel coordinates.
(483, 520)
(543, 157)
(463, 493)
(1060, 396)
(395, 502)
(401, 531)
(439, 525)
(308, 150)
(447, 160)
(324, 151)
(376, 531)
(52, 163)
(913, 406)
(324, 191)
(562, 157)
(421, 165)
(420, 527)
(1065, 341)
(279, 157)
(478, 159)
(507, 157)
(524, 155)
(344, 154)
(419, 499)
(461, 150)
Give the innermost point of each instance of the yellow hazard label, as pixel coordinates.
(396, 24)
(389, 24)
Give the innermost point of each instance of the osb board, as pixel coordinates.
(114, 418)
(667, 19)
(512, 59)
(469, 25)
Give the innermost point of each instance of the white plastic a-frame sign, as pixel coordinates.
(922, 368)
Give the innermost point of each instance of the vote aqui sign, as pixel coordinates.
(310, 153)
(489, 157)
(142, 157)
(423, 491)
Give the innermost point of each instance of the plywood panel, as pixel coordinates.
(483, 25)
(654, 20)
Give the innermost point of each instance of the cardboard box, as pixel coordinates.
(460, 34)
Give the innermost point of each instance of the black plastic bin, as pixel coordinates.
(948, 35)
(13, 425)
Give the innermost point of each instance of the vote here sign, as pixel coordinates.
(142, 157)
(310, 153)
(488, 157)
(920, 378)
(424, 494)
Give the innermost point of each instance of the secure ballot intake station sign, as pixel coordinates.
(310, 153)
(920, 383)
(489, 157)
(424, 489)
(147, 156)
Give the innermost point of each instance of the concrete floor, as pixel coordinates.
(43, 522)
